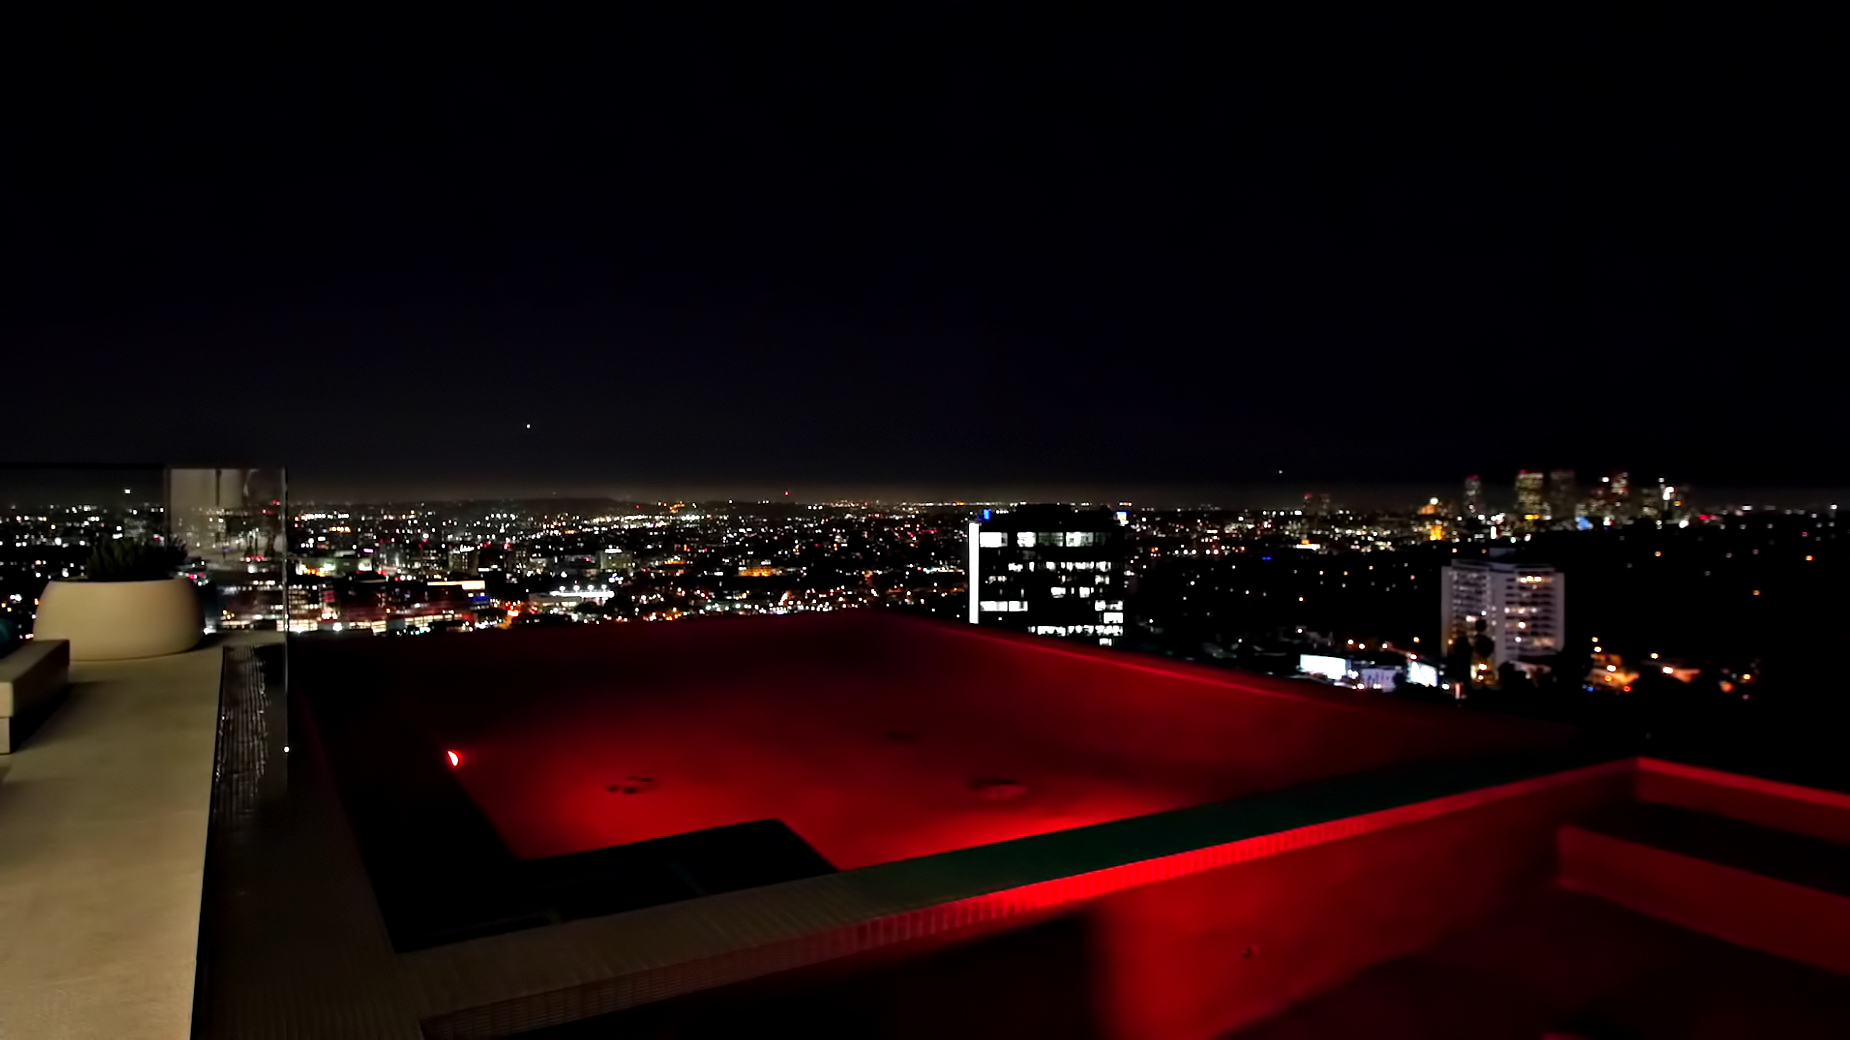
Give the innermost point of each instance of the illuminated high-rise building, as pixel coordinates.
(1598, 505)
(1531, 499)
(1522, 606)
(1677, 502)
(1563, 493)
(1664, 502)
(1611, 500)
(1051, 570)
(465, 560)
(1474, 496)
(1619, 496)
(616, 561)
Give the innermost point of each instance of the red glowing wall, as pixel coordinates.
(1797, 922)
(1188, 958)
(1201, 955)
(1750, 799)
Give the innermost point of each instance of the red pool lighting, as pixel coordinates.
(1201, 852)
(874, 738)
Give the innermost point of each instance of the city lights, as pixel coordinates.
(1207, 584)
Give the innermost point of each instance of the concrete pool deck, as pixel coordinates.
(103, 821)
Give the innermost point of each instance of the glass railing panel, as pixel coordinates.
(233, 522)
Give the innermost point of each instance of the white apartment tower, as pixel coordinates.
(1523, 607)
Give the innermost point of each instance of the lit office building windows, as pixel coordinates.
(1507, 612)
(1051, 570)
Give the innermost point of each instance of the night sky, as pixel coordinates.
(927, 248)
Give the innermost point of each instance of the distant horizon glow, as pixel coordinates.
(1348, 495)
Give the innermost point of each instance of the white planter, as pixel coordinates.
(109, 620)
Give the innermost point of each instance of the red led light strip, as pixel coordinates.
(1773, 788)
(1079, 887)
(672, 980)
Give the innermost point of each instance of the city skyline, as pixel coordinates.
(1364, 496)
(1563, 491)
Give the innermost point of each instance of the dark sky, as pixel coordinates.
(946, 246)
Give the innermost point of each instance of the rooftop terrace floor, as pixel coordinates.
(103, 823)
